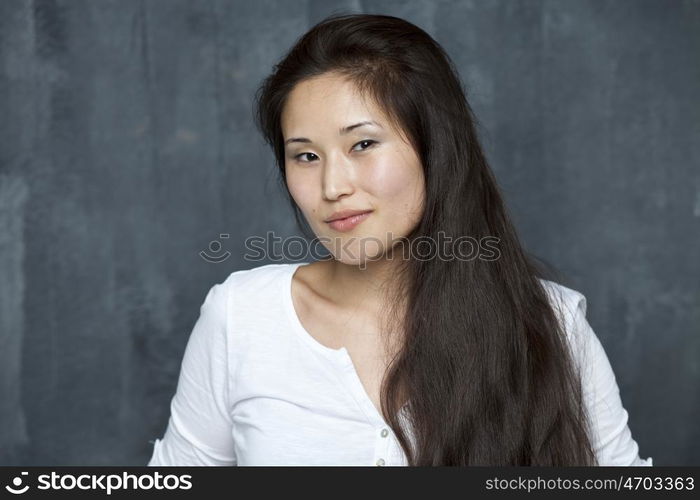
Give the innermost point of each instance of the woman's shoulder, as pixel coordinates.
(252, 291)
(253, 284)
(255, 280)
(245, 297)
(566, 302)
(569, 306)
(259, 274)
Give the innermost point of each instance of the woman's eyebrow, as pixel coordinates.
(349, 128)
(342, 131)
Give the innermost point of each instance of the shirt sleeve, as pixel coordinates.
(612, 439)
(199, 430)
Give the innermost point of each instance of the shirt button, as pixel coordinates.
(384, 433)
(380, 461)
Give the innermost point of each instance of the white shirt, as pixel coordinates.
(255, 388)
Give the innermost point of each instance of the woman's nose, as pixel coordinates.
(337, 178)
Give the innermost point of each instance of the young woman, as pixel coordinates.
(399, 349)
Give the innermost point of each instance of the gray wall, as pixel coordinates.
(127, 146)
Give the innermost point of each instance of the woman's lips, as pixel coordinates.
(348, 223)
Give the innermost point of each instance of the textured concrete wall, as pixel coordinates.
(127, 146)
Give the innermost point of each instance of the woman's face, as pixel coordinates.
(366, 167)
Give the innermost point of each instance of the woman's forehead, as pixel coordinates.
(332, 98)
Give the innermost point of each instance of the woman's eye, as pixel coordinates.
(366, 141)
(298, 157)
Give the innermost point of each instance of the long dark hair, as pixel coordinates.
(484, 363)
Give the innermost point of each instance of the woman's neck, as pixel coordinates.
(359, 287)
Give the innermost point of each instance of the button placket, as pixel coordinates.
(381, 446)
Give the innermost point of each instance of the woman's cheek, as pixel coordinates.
(386, 178)
(300, 191)
(393, 179)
